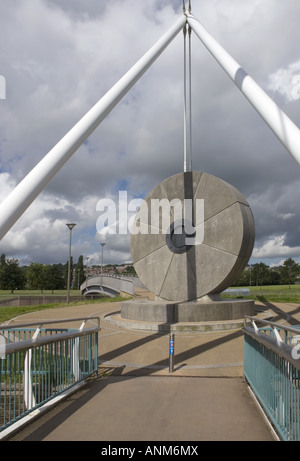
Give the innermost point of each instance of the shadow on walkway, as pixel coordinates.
(180, 357)
(281, 314)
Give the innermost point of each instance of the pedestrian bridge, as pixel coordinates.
(51, 357)
(110, 285)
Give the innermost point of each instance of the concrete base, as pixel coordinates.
(193, 311)
(116, 320)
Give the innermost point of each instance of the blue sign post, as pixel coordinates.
(171, 354)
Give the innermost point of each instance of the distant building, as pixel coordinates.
(110, 269)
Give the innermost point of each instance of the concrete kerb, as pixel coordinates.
(180, 327)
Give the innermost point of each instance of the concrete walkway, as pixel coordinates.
(136, 398)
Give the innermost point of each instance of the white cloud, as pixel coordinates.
(275, 247)
(286, 82)
(7, 184)
(286, 215)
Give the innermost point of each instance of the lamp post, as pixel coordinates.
(70, 226)
(102, 245)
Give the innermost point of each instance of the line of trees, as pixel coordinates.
(55, 276)
(39, 276)
(260, 274)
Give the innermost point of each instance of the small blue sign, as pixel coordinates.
(172, 346)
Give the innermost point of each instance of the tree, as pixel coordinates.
(259, 274)
(2, 260)
(36, 276)
(55, 277)
(66, 273)
(274, 277)
(289, 271)
(79, 272)
(130, 270)
(244, 279)
(2, 268)
(12, 276)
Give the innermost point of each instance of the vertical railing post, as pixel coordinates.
(29, 398)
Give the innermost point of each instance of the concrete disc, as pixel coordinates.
(183, 256)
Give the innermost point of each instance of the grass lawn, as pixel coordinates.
(8, 294)
(9, 312)
(271, 293)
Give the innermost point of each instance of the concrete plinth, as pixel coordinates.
(193, 311)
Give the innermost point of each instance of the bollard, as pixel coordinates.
(171, 354)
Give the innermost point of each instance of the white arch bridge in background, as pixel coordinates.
(111, 285)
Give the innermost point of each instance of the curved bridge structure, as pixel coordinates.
(110, 285)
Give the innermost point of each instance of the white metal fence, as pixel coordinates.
(37, 363)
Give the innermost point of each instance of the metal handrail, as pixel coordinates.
(48, 365)
(275, 344)
(48, 322)
(272, 370)
(42, 341)
(269, 322)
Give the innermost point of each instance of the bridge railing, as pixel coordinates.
(39, 363)
(272, 369)
(114, 282)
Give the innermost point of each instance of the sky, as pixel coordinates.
(58, 58)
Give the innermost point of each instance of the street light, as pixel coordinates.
(102, 245)
(70, 226)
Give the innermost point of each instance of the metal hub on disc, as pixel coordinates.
(177, 237)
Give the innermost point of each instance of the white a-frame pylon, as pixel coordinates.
(30, 187)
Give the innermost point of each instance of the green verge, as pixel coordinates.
(10, 312)
(8, 294)
(270, 293)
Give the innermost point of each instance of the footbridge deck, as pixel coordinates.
(136, 398)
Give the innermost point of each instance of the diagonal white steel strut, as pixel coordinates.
(282, 126)
(24, 194)
(30, 187)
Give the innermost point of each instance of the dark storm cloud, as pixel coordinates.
(60, 58)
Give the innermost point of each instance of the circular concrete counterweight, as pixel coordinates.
(182, 255)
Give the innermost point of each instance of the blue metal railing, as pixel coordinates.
(272, 369)
(38, 364)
